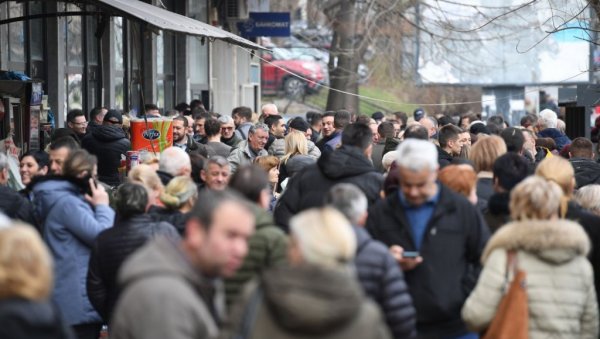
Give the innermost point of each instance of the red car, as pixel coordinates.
(276, 73)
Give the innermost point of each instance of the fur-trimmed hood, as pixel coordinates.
(555, 241)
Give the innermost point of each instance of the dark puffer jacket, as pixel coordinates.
(308, 188)
(110, 250)
(20, 318)
(587, 171)
(559, 138)
(107, 143)
(383, 281)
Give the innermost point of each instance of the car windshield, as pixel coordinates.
(282, 54)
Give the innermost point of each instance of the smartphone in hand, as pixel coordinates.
(410, 255)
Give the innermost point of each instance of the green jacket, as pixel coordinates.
(267, 248)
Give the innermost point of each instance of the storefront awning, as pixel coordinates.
(173, 22)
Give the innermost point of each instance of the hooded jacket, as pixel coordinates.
(383, 281)
(559, 138)
(307, 189)
(108, 143)
(587, 171)
(163, 296)
(559, 279)
(266, 248)
(70, 226)
(110, 250)
(309, 302)
(20, 318)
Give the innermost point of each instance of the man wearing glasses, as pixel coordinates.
(228, 135)
(77, 122)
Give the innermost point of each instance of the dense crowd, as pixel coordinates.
(326, 226)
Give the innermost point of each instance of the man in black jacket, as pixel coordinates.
(349, 164)
(132, 229)
(444, 233)
(183, 141)
(587, 171)
(108, 142)
(378, 272)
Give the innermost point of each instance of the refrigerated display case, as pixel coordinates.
(22, 102)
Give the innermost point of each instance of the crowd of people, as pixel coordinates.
(331, 225)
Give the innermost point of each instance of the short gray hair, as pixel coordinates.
(257, 126)
(548, 119)
(216, 160)
(417, 155)
(3, 161)
(173, 160)
(225, 119)
(348, 199)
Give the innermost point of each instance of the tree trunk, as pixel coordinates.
(343, 74)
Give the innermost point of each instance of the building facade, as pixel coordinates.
(89, 54)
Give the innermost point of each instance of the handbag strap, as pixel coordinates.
(250, 314)
(511, 266)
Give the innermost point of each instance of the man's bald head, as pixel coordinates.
(269, 109)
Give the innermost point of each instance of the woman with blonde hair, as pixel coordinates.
(296, 157)
(146, 176)
(75, 209)
(25, 286)
(317, 295)
(178, 198)
(552, 253)
(561, 172)
(483, 154)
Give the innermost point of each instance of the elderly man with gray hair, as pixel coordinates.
(378, 272)
(437, 236)
(174, 162)
(12, 203)
(548, 128)
(250, 149)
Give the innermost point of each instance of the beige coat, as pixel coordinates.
(560, 281)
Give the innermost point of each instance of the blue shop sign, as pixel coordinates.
(265, 24)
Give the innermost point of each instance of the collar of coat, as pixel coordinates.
(541, 237)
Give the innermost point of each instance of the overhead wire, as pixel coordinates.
(536, 88)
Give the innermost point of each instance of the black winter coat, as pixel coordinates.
(15, 206)
(172, 217)
(587, 171)
(591, 224)
(20, 318)
(108, 143)
(497, 213)
(307, 189)
(451, 249)
(383, 281)
(110, 250)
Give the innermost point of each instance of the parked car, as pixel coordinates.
(276, 77)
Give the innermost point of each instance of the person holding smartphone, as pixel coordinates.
(74, 210)
(437, 236)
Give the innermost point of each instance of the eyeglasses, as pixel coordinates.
(226, 128)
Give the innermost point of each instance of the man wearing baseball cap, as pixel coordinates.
(108, 142)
